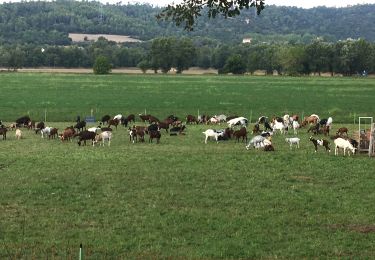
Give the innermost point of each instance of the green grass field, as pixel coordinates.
(182, 198)
(66, 96)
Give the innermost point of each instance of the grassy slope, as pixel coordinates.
(65, 96)
(181, 198)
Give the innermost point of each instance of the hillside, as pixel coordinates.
(51, 22)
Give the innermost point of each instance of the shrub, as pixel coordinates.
(102, 65)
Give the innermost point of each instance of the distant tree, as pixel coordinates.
(144, 65)
(102, 65)
(204, 57)
(13, 58)
(293, 60)
(189, 10)
(162, 53)
(184, 54)
(235, 64)
(220, 55)
(319, 56)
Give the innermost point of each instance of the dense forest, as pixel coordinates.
(286, 40)
(50, 22)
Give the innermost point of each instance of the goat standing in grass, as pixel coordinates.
(292, 141)
(18, 134)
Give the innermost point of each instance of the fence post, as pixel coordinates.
(80, 252)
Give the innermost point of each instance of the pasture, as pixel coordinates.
(182, 198)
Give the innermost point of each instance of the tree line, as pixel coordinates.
(39, 22)
(349, 57)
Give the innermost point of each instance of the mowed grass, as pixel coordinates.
(64, 96)
(180, 198)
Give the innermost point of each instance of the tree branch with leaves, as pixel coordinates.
(189, 10)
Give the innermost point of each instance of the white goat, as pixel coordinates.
(93, 129)
(258, 142)
(279, 126)
(104, 136)
(118, 117)
(212, 133)
(329, 121)
(45, 131)
(345, 144)
(292, 141)
(238, 120)
(295, 125)
(18, 134)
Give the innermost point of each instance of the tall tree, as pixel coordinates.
(185, 53)
(162, 53)
(188, 11)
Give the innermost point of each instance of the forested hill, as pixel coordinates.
(50, 23)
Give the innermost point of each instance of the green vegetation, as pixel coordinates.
(67, 95)
(102, 65)
(181, 198)
(40, 22)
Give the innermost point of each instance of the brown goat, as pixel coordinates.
(241, 133)
(342, 130)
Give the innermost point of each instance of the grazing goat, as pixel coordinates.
(295, 125)
(105, 119)
(45, 131)
(279, 126)
(154, 134)
(18, 134)
(103, 136)
(80, 126)
(118, 117)
(292, 141)
(144, 118)
(314, 129)
(212, 133)
(191, 119)
(152, 119)
(124, 121)
(256, 142)
(262, 119)
(3, 132)
(39, 126)
(94, 129)
(163, 125)
(344, 144)
(228, 132)
(130, 118)
(67, 134)
(84, 136)
(342, 130)
(114, 122)
(256, 129)
(177, 130)
(241, 133)
(238, 121)
(137, 131)
(326, 121)
(23, 121)
(53, 133)
(31, 125)
(269, 148)
(321, 142)
(313, 119)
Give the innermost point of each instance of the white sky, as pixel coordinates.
(298, 3)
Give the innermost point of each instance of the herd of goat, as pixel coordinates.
(263, 130)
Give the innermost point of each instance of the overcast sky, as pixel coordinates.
(299, 3)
